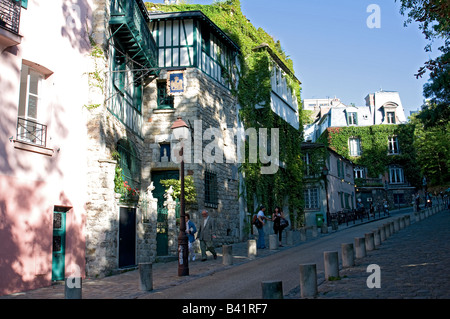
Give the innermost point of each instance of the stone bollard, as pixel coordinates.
(407, 220)
(376, 237)
(348, 255)
(308, 281)
(324, 229)
(146, 276)
(289, 237)
(303, 234)
(427, 213)
(387, 230)
(402, 222)
(422, 215)
(314, 231)
(417, 216)
(396, 224)
(273, 242)
(227, 252)
(72, 288)
(369, 241)
(391, 225)
(382, 233)
(331, 264)
(272, 290)
(252, 251)
(360, 247)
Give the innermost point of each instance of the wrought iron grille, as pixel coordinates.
(10, 15)
(31, 132)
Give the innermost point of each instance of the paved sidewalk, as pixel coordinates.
(401, 270)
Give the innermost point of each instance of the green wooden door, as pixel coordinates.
(59, 245)
(162, 238)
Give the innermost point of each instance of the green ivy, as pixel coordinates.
(374, 148)
(255, 90)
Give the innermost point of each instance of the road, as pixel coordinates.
(244, 281)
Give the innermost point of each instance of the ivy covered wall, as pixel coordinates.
(254, 89)
(374, 148)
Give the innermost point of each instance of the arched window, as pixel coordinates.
(130, 163)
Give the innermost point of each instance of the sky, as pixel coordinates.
(335, 51)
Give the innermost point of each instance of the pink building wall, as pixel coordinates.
(54, 41)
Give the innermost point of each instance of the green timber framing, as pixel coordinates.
(133, 58)
(191, 39)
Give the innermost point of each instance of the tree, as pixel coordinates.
(433, 17)
(433, 151)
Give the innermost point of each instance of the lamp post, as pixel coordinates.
(180, 132)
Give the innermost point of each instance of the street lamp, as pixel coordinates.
(180, 132)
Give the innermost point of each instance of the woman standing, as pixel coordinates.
(276, 218)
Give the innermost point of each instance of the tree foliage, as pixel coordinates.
(433, 17)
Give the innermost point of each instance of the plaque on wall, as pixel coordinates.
(176, 83)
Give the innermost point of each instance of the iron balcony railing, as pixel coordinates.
(30, 131)
(10, 15)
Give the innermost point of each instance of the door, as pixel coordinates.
(59, 245)
(162, 227)
(127, 237)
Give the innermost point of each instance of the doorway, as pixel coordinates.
(127, 237)
(59, 243)
(162, 227)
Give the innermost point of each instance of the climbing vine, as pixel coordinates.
(255, 90)
(374, 145)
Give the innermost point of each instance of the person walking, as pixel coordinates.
(276, 218)
(206, 234)
(261, 244)
(190, 232)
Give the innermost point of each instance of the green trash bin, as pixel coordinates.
(319, 220)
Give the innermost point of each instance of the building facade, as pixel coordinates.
(42, 156)
(158, 67)
(329, 185)
(377, 140)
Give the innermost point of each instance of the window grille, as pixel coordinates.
(211, 199)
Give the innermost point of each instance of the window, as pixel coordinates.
(352, 118)
(211, 189)
(311, 196)
(354, 145)
(393, 145)
(307, 160)
(396, 175)
(165, 101)
(130, 163)
(28, 128)
(359, 172)
(390, 117)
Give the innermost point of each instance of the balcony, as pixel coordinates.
(32, 136)
(129, 26)
(9, 23)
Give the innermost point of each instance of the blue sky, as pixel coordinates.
(335, 53)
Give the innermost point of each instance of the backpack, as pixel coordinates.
(255, 217)
(256, 222)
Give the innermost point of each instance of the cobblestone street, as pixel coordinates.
(414, 264)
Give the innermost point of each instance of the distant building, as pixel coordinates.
(381, 107)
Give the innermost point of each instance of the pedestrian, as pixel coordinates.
(261, 244)
(417, 202)
(206, 234)
(277, 216)
(190, 232)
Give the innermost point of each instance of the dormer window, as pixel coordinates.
(390, 116)
(352, 118)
